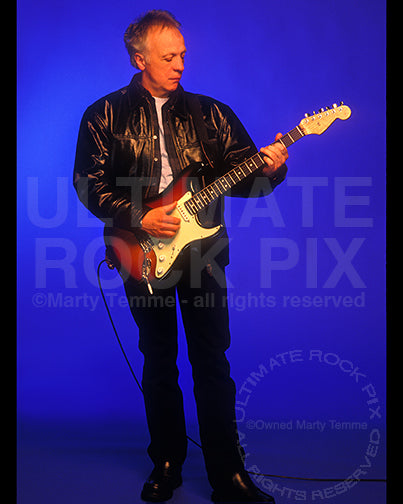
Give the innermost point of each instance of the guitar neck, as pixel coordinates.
(223, 184)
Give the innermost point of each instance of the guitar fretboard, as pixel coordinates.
(224, 183)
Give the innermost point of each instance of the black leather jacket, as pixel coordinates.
(118, 158)
(118, 166)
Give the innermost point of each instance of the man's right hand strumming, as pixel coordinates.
(160, 223)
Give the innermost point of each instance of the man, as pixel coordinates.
(132, 144)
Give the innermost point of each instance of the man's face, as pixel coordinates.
(162, 64)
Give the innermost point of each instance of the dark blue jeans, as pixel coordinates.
(205, 318)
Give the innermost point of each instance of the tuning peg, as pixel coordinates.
(327, 108)
(334, 105)
(313, 112)
(307, 115)
(341, 103)
(321, 110)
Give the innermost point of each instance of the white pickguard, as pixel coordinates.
(168, 249)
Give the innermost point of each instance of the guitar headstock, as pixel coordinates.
(319, 122)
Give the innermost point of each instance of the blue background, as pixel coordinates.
(271, 62)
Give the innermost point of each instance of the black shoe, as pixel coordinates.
(240, 489)
(162, 482)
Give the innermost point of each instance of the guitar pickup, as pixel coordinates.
(183, 213)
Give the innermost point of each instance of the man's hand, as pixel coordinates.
(160, 223)
(275, 155)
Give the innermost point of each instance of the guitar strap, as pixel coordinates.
(210, 150)
(208, 145)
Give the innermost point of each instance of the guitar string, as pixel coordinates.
(208, 194)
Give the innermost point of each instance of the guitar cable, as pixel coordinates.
(379, 480)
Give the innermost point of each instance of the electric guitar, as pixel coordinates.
(149, 259)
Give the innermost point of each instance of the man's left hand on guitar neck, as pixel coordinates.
(275, 155)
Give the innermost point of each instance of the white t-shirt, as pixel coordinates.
(166, 170)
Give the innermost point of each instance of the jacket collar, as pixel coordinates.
(137, 93)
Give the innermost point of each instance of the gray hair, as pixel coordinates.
(135, 36)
